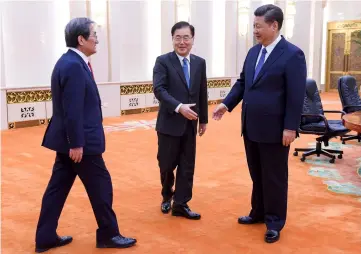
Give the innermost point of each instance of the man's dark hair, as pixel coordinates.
(76, 27)
(271, 14)
(180, 25)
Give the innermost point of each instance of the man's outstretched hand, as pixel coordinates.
(187, 112)
(219, 112)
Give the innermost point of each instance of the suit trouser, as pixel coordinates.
(268, 167)
(177, 152)
(97, 182)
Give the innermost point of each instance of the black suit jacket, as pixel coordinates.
(170, 88)
(274, 100)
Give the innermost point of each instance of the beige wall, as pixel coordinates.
(133, 33)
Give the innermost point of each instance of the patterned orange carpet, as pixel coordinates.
(324, 213)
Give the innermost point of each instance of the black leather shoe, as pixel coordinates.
(61, 241)
(248, 220)
(184, 211)
(165, 206)
(272, 236)
(117, 242)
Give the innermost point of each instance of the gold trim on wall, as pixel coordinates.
(28, 96)
(148, 87)
(217, 83)
(214, 102)
(30, 123)
(138, 111)
(136, 89)
(350, 24)
(142, 88)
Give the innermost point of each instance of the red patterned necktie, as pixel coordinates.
(91, 69)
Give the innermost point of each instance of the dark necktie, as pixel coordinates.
(260, 63)
(91, 69)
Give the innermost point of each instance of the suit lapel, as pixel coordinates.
(86, 67)
(177, 65)
(94, 84)
(193, 69)
(275, 54)
(253, 62)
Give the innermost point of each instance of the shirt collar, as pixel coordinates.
(182, 57)
(270, 47)
(81, 54)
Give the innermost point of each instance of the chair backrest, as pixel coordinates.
(348, 92)
(312, 103)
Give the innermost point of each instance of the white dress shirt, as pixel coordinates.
(189, 71)
(82, 55)
(269, 49)
(181, 61)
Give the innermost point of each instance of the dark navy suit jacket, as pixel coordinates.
(274, 100)
(170, 88)
(77, 115)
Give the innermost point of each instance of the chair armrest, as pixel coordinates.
(320, 116)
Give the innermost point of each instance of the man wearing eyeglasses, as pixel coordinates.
(180, 85)
(76, 134)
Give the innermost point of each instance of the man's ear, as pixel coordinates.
(80, 40)
(275, 26)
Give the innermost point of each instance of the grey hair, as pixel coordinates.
(76, 27)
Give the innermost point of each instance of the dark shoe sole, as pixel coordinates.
(185, 216)
(41, 250)
(271, 240)
(247, 222)
(250, 222)
(165, 211)
(104, 246)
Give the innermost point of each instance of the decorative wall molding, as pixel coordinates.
(354, 24)
(138, 111)
(28, 96)
(136, 89)
(29, 123)
(217, 83)
(27, 107)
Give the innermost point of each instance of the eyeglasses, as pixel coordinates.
(184, 38)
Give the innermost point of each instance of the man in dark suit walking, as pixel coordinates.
(180, 85)
(272, 87)
(76, 133)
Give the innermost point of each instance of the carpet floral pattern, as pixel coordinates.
(337, 176)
